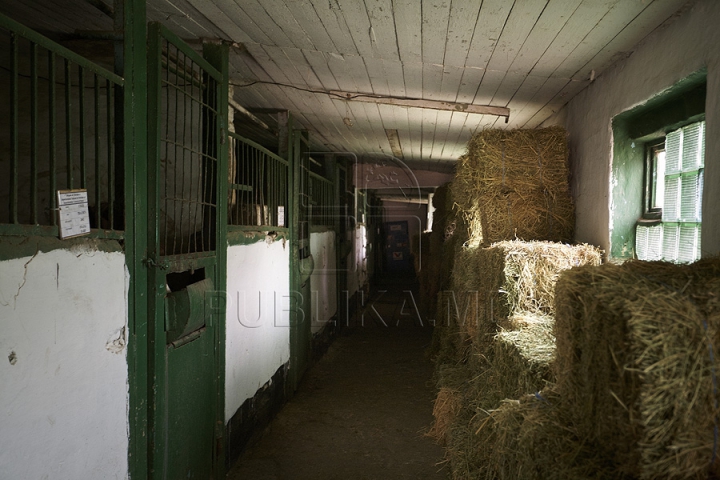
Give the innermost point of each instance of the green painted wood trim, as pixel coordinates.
(322, 228)
(156, 278)
(25, 32)
(256, 228)
(135, 197)
(319, 177)
(294, 223)
(249, 237)
(194, 56)
(258, 147)
(13, 247)
(217, 56)
(52, 231)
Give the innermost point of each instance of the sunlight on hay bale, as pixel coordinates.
(636, 364)
(507, 279)
(516, 362)
(514, 184)
(521, 276)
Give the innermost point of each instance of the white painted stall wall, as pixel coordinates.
(323, 285)
(357, 274)
(666, 56)
(63, 368)
(258, 333)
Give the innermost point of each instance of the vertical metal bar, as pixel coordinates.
(186, 197)
(218, 57)
(212, 144)
(109, 99)
(179, 177)
(203, 180)
(68, 125)
(51, 113)
(203, 159)
(193, 155)
(176, 156)
(81, 111)
(272, 181)
(98, 184)
(164, 116)
(33, 133)
(246, 179)
(14, 174)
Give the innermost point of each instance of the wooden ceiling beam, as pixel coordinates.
(421, 103)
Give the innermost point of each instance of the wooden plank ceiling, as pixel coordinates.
(530, 56)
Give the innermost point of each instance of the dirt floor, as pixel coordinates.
(361, 412)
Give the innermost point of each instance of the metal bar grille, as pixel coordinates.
(60, 107)
(258, 186)
(188, 150)
(319, 197)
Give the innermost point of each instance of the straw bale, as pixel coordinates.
(437, 260)
(511, 278)
(531, 269)
(516, 362)
(447, 405)
(636, 364)
(529, 439)
(514, 184)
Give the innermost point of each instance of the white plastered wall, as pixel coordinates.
(357, 274)
(670, 54)
(258, 333)
(63, 368)
(323, 286)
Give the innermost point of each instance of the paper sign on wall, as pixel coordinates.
(281, 216)
(74, 217)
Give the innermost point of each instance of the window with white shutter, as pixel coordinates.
(676, 237)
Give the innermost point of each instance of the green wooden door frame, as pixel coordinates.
(300, 314)
(135, 160)
(215, 59)
(217, 56)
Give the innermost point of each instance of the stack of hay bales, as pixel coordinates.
(438, 249)
(636, 392)
(498, 341)
(514, 184)
(496, 313)
(637, 368)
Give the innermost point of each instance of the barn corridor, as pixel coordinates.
(362, 410)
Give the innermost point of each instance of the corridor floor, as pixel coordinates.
(360, 412)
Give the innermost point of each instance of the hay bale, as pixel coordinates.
(446, 407)
(511, 278)
(514, 184)
(516, 362)
(437, 260)
(635, 364)
(529, 271)
(529, 439)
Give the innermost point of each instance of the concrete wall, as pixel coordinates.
(671, 53)
(258, 333)
(63, 366)
(323, 285)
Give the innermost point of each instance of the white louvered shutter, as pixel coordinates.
(648, 242)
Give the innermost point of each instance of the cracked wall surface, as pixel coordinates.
(63, 368)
